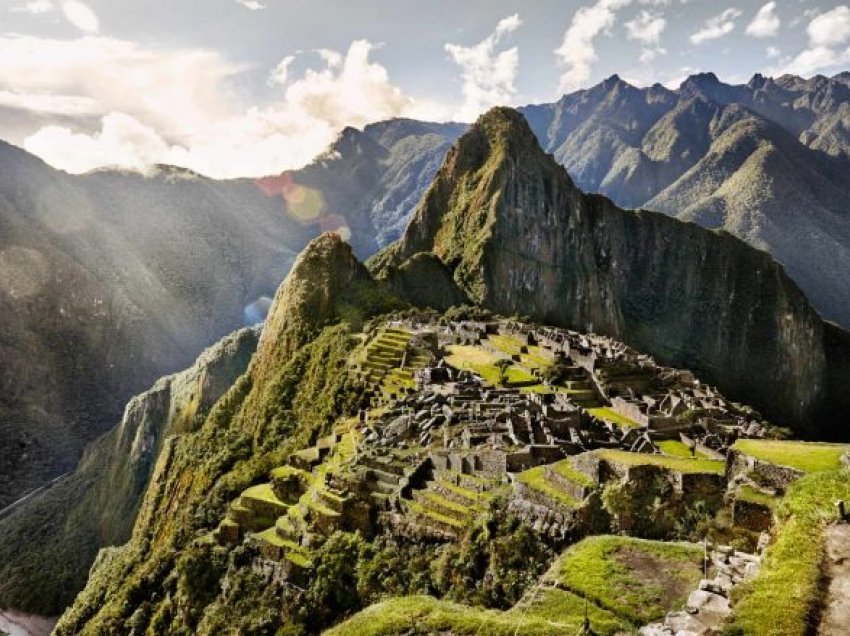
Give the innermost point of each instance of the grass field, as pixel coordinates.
(810, 457)
(675, 448)
(636, 579)
(609, 415)
(549, 613)
(482, 362)
(678, 464)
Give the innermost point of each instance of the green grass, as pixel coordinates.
(536, 479)
(466, 493)
(678, 464)
(781, 598)
(565, 469)
(810, 457)
(483, 363)
(748, 493)
(263, 492)
(636, 579)
(609, 415)
(441, 501)
(551, 614)
(418, 508)
(675, 448)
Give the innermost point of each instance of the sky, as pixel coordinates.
(245, 88)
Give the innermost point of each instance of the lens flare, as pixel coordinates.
(305, 204)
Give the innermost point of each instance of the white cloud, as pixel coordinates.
(36, 6)
(252, 5)
(766, 23)
(68, 105)
(122, 141)
(488, 75)
(827, 33)
(280, 75)
(179, 106)
(773, 52)
(577, 52)
(81, 16)
(717, 27)
(647, 28)
(830, 28)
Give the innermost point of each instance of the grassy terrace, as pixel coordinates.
(263, 492)
(810, 457)
(418, 508)
(513, 346)
(483, 363)
(781, 600)
(609, 415)
(675, 448)
(636, 579)
(678, 464)
(750, 494)
(549, 613)
(536, 479)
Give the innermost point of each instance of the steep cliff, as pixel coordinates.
(96, 505)
(519, 237)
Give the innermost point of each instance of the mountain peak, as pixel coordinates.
(325, 273)
(700, 81)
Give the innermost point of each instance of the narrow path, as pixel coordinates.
(836, 613)
(16, 504)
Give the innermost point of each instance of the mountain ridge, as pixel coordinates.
(520, 237)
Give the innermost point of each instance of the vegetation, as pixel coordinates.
(677, 464)
(485, 364)
(782, 599)
(610, 415)
(635, 579)
(537, 479)
(809, 457)
(551, 613)
(675, 448)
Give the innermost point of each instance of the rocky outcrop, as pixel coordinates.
(96, 505)
(520, 238)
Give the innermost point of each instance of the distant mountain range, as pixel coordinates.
(112, 279)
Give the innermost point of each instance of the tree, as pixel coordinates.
(503, 365)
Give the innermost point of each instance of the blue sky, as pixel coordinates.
(248, 87)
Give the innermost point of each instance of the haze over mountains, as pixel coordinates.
(113, 279)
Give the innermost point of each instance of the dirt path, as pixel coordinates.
(836, 613)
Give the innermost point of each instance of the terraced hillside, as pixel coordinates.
(322, 492)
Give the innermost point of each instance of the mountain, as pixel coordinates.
(520, 238)
(766, 161)
(96, 505)
(325, 480)
(294, 389)
(112, 279)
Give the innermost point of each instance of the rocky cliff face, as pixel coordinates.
(519, 237)
(765, 161)
(96, 505)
